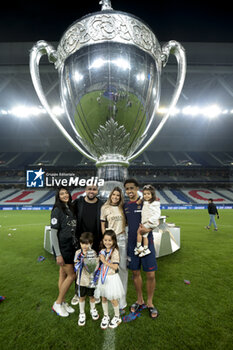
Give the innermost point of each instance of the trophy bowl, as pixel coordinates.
(109, 65)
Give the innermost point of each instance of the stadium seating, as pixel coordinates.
(184, 196)
(20, 160)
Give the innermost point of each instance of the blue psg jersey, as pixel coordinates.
(132, 212)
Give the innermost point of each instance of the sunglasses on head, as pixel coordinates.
(146, 187)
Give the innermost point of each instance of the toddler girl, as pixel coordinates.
(150, 219)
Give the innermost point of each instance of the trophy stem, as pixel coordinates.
(114, 176)
(112, 172)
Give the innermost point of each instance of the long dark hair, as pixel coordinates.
(112, 234)
(61, 205)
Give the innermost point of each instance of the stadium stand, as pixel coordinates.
(188, 196)
(177, 183)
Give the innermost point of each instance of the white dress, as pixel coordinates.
(111, 286)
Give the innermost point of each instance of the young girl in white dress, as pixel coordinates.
(109, 285)
(112, 217)
(150, 219)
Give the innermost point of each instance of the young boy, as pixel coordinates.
(83, 279)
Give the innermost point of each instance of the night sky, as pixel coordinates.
(193, 21)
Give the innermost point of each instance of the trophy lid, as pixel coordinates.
(91, 253)
(107, 25)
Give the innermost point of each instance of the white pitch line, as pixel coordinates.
(109, 334)
(109, 339)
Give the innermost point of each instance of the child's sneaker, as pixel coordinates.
(94, 314)
(144, 253)
(115, 322)
(105, 322)
(138, 250)
(82, 319)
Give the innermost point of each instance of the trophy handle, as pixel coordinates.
(39, 49)
(175, 48)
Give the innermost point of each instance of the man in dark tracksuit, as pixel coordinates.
(212, 210)
(87, 210)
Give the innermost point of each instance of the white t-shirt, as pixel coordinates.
(113, 215)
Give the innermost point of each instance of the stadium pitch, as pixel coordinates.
(198, 315)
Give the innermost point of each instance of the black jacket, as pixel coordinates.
(78, 208)
(212, 209)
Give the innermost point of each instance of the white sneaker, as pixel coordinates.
(138, 250)
(105, 322)
(68, 308)
(115, 322)
(94, 314)
(82, 319)
(75, 300)
(144, 253)
(60, 310)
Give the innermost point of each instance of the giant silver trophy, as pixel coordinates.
(109, 66)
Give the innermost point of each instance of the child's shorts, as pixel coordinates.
(86, 291)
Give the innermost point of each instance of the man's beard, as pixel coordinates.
(91, 198)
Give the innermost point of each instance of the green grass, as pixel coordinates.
(195, 316)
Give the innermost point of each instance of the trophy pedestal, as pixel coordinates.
(166, 238)
(114, 176)
(112, 172)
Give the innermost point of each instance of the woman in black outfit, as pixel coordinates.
(63, 225)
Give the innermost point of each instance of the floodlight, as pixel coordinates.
(20, 111)
(211, 111)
